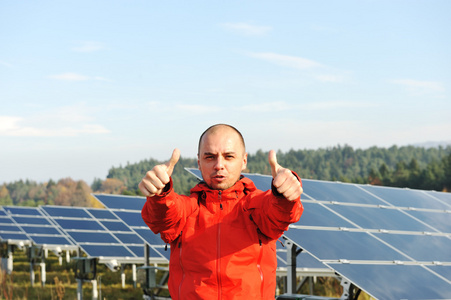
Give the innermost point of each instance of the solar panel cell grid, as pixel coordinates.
(11, 227)
(397, 281)
(22, 211)
(406, 198)
(79, 224)
(115, 226)
(62, 211)
(31, 220)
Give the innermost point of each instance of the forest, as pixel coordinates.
(407, 166)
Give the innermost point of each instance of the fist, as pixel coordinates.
(156, 179)
(283, 179)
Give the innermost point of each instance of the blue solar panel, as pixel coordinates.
(102, 214)
(37, 226)
(128, 238)
(40, 230)
(128, 209)
(397, 281)
(20, 210)
(132, 219)
(336, 245)
(79, 224)
(381, 218)
(64, 211)
(444, 197)
(6, 220)
(122, 202)
(51, 240)
(14, 236)
(115, 226)
(12, 228)
(319, 215)
(92, 237)
(108, 251)
(30, 220)
(436, 221)
(406, 197)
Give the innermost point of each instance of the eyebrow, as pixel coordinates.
(215, 154)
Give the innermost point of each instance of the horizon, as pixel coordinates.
(85, 86)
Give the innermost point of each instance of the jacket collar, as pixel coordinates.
(243, 185)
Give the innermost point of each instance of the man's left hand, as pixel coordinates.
(284, 180)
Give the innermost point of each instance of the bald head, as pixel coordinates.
(222, 156)
(218, 128)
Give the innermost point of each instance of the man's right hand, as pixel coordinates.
(156, 179)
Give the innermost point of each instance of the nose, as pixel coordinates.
(219, 163)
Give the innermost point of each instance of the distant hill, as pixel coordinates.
(433, 144)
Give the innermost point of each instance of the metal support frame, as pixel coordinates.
(350, 291)
(292, 253)
(35, 254)
(147, 276)
(86, 270)
(7, 257)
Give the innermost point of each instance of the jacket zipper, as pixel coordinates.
(259, 261)
(218, 261)
(181, 264)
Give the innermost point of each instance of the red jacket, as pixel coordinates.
(223, 243)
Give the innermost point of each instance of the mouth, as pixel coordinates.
(218, 177)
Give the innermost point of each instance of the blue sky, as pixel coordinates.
(87, 85)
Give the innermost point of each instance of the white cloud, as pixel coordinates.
(279, 106)
(420, 87)
(247, 29)
(267, 107)
(287, 61)
(88, 46)
(330, 78)
(197, 109)
(13, 126)
(313, 69)
(325, 105)
(73, 120)
(69, 76)
(8, 65)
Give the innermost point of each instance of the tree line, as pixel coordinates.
(407, 166)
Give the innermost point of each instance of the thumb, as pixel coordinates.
(273, 163)
(173, 161)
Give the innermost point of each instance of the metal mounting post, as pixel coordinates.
(292, 253)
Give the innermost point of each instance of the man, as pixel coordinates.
(223, 236)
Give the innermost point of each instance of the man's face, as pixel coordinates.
(221, 158)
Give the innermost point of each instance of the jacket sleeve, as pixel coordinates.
(167, 213)
(272, 212)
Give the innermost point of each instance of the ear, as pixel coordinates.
(243, 167)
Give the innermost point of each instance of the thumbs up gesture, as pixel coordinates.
(284, 180)
(156, 179)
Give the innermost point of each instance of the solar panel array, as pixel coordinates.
(10, 231)
(99, 233)
(38, 228)
(393, 243)
(128, 209)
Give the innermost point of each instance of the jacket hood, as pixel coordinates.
(243, 185)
